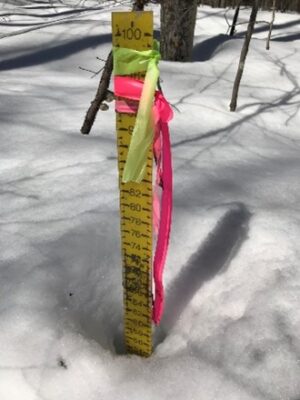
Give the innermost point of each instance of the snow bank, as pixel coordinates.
(230, 329)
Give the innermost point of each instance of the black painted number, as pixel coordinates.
(132, 33)
(135, 192)
(135, 207)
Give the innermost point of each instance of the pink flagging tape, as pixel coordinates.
(126, 107)
(130, 88)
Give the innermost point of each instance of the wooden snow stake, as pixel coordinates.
(134, 30)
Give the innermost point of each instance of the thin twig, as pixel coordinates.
(102, 90)
(87, 70)
(100, 96)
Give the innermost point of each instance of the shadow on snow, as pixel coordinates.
(211, 258)
(55, 53)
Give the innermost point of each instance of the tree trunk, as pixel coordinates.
(243, 56)
(138, 5)
(235, 18)
(271, 25)
(178, 19)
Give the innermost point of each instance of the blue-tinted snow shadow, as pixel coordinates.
(58, 52)
(54, 53)
(211, 258)
(203, 51)
(287, 38)
(52, 14)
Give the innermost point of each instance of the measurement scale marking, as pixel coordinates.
(134, 30)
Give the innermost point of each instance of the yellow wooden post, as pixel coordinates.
(134, 30)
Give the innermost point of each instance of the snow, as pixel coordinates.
(231, 323)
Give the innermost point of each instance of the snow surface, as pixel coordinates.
(232, 320)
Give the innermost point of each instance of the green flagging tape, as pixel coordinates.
(128, 62)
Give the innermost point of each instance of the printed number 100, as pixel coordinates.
(131, 33)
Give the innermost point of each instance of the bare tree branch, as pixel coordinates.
(102, 90)
(100, 96)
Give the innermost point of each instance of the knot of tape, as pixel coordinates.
(151, 129)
